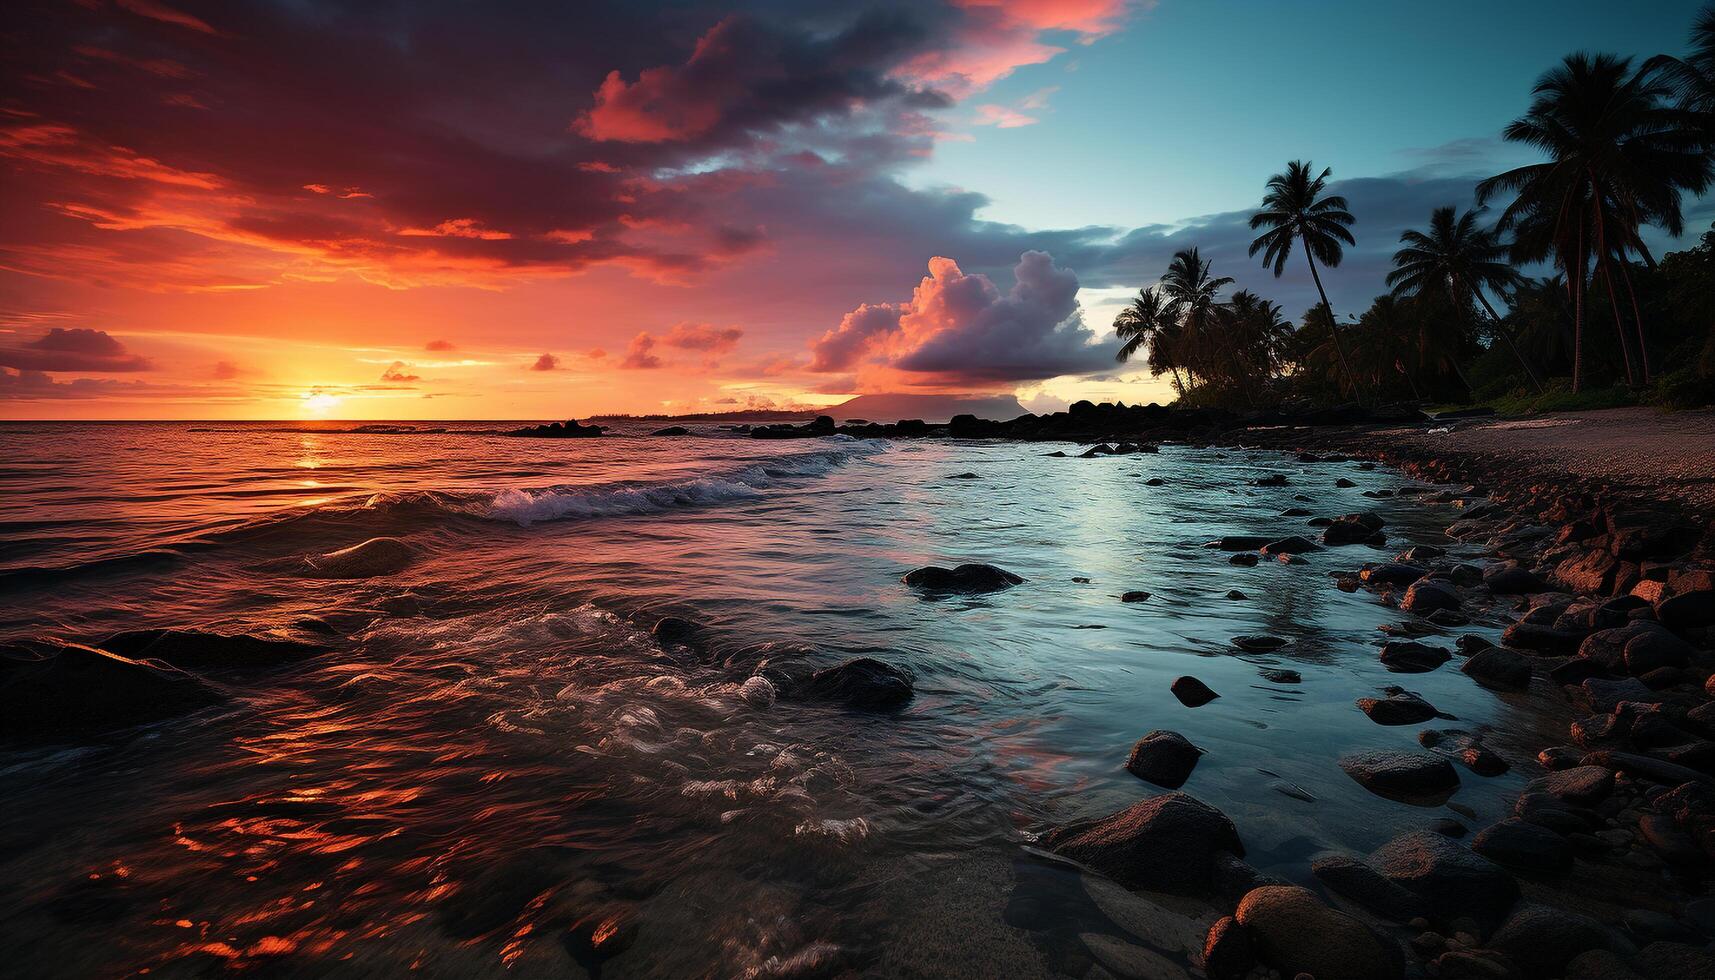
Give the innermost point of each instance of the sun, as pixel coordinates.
(320, 402)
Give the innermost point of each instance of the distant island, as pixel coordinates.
(929, 408)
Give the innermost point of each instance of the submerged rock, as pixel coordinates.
(1261, 643)
(1191, 692)
(1294, 545)
(969, 578)
(1163, 758)
(1400, 707)
(1407, 657)
(50, 689)
(377, 556)
(1359, 883)
(862, 683)
(199, 650)
(1136, 596)
(672, 430)
(1166, 843)
(1523, 846)
(1498, 668)
(1426, 596)
(1294, 932)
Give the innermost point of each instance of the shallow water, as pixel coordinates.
(498, 758)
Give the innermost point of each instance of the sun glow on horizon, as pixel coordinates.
(320, 403)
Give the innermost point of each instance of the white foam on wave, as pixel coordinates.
(528, 507)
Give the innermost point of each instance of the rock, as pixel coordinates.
(199, 650)
(1448, 827)
(1353, 529)
(1344, 483)
(1499, 669)
(1472, 964)
(50, 690)
(1557, 758)
(1470, 644)
(1272, 480)
(1227, 953)
(1280, 675)
(968, 579)
(1137, 596)
(1512, 579)
(1296, 934)
(1685, 609)
(1192, 693)
(1166, 843)
(569, 429)
(377, 556)
(1677, 960)
(1672, 845)
(672, 430)
(1451, 879)
(1524, 635)
(1419, 554)
(1244, 558)
(1235, 594)
(862, 683)
(1540, 940)
(1163, 758)
(1598, 964)
(1591, 573)
(1239, 542)
(1407, 657)
(1293, 545)
(1523, 846)
(677, 630)
(1392, 574)
(1363, 885)
(1580, 786)
(1482, 760)
(1426, 596)
(1258, 643)
(1410, 777)
(1400, 707)
(1654, 648)
(1606, 695)
(1555, 814)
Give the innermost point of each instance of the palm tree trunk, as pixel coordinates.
(1637, 318)
(1575, 282)
(1619, 324)
(1507, 336)
(1333, 328)
(1178, 382)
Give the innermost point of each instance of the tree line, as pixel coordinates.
(1622, 146)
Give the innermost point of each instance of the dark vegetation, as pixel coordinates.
(1553, 303)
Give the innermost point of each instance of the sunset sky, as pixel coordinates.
(426, 209)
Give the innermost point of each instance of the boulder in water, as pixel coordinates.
(1410, 777)
(377, 556)
(672, 430)
(50, 689)
(1166, 843)
(1294, 932)
(1452, 881)
(1163, 758)
(1192, 693)
(862, 683)
(969, 578)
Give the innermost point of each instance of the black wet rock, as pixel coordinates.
(1429, 595)
(1557, 758)
(1239, 542)
(966, 579)
(822, 425)
(1419, 554)
(1163, 758)
(1582, 786)
(1482, 760)
(1227, 953)
(1408, 657)
(1392, 574)
(1136, 596)
(1191, 692)
(200, 650)
(1499, 669)
(672, 430)
(1259, 643)
(1687, 609)
(1362, 528)
(1272, 480)
(1280, 675)
(1471, 643)
(1539, 638)
(677, 630)
(50, 690)
(559, 430)
(1512, 579)
(1364, 886)
(1293, 545)
(1236, 594)
(1294, 932)
(864, 683)
(1539, 940)
(1405, 776)
(1523, 846)
(1344, 483)
(1166, 843)
(1452, 880)
(1245, 558)
(1400, 707)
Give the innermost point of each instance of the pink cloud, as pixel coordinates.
(74, 349)
(547, 362)
(703, 337)
(640, 356)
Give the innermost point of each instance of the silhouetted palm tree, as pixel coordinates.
(1694, 75)
(1192, 296)
(1294, 210)
(1141, 325)
(1619, 158)
(1461, 256)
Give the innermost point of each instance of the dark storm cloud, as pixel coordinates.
(74, 349)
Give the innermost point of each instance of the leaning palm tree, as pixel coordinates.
(1294, 210)
(1694, 75)
(1192, 296)
(1463, 257)
(1620, 156)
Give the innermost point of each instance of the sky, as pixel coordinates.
(422, 210)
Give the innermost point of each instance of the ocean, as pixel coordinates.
(499, 770)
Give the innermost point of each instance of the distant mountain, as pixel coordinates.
(929, 408)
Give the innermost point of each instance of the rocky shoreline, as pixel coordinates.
(1610, 592)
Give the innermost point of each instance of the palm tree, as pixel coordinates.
(1462, 256)
(1191, 302)
(1294, 210)
(1694, 75)
(1619, 158)
(1258, 333)
(1141, 325)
